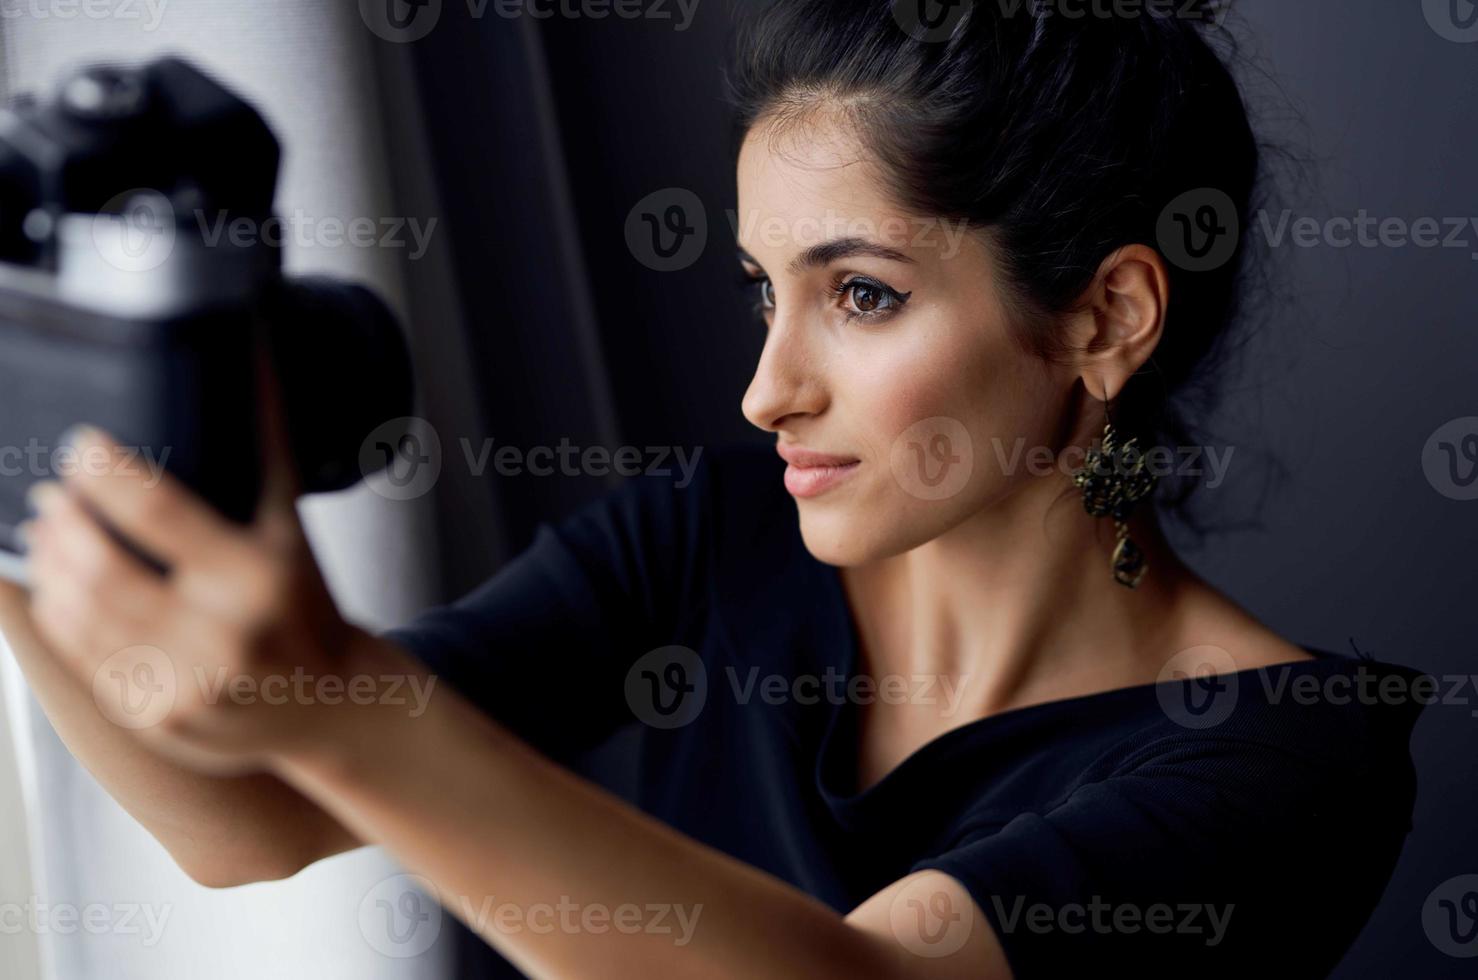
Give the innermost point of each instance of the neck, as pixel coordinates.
(1019, 603)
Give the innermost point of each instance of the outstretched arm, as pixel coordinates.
(501, 831)
(267, 679)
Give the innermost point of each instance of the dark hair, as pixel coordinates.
(1067, 137)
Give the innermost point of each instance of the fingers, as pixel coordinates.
(69, 619)
(97, 561)
(107, 617)
(148, 505)
(86, 582)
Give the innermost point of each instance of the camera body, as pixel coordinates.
(120, 307)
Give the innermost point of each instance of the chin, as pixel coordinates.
(830, 541)
(846, 531)
(845, 536)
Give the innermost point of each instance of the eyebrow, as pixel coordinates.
(824, 253)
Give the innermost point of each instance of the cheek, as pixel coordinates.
(947, 414)
(929, 410)
(953, 380)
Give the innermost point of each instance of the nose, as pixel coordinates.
(785, 383)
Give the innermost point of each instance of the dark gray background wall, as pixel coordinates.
(1379, 351)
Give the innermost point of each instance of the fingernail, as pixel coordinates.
(78, 435)
(41, 494)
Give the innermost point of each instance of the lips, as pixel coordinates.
(811, 473)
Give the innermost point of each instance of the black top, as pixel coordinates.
(1164, 828)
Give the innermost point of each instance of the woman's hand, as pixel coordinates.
(219, 664)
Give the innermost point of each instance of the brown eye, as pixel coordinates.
(869, 300)
(866, 298)
(767, 294)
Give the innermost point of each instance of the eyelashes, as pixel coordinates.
(860, 298)
(753, 287)
(883, 300)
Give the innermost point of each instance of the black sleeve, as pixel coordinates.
(1199, 861)
(545, 644)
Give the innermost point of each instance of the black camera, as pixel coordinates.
(130, 300)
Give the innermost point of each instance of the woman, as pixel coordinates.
(909, 710)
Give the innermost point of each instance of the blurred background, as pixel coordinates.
(514, 163)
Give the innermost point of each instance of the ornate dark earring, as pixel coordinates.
(1113, 479)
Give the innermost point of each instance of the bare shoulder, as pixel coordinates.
(1210, 617)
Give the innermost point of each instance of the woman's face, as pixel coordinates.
(897, 395)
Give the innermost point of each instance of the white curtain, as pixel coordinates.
(314, 71)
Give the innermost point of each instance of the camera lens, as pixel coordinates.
(104, 94)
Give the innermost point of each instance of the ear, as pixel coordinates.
(1121, 320)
